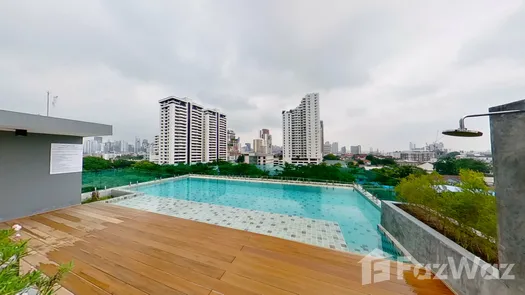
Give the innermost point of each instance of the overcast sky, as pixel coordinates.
(388, 72)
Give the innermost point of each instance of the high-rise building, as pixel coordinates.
(98, 139)
(412, 146)
(189, 133)
(258, 146)
(301, 132)
(234, 146)
(335, 148)
(265, 135)
(355, 149)
(327, 148)
(343, 150)
(322, 135)
(137, 145)
(145, 145)
(248, 147)
(215, 136)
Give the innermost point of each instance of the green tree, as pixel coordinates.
(121, 163)
(446, 166)
(452, 166)
(455, 213)
(241, 158)
(374, 161)
(473, 164)
(146, 165)
(331, 157)
(95, 164)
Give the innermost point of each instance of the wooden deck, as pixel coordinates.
(117, 250)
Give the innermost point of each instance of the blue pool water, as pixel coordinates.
(356, 216)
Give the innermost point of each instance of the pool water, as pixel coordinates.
(356, 216)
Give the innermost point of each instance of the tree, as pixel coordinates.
(146, 165)
(121, 163)
(240, 159)
(331, 157)
(446, 166)
(374, 161)
(95, 164)
(473, 164)
(452, 166)
(458, 212)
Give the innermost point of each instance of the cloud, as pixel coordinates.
(387, 73)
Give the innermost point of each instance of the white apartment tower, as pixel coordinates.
(215, 136)
(302, 132)
(184, 136)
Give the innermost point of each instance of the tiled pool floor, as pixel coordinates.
(318, 232)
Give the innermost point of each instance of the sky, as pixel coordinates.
(388, 72)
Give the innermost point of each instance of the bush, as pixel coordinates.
(458, 215)
(12, 249)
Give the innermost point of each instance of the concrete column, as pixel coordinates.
(508, 152)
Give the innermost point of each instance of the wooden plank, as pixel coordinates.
(96, 277)
(182, 236)
(98, 216)
(288, 281)
(99, 256)
(249, 284)
(173, 269)
(159, 239)
(58, 226)
(155, 254)
(77, 218)
(71, 282)
(353, 280)
(156, 249)
(120, 250)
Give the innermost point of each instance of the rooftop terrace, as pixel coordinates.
(119, 250)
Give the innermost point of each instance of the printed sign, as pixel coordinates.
(66, 158)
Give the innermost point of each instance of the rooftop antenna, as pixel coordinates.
(55, 98)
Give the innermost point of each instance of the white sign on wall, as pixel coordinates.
(66, 158)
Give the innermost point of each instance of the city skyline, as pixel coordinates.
(400, 74)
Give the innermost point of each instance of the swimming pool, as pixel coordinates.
(332, 217)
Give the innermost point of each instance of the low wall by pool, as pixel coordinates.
(428, 247)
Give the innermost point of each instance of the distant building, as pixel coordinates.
(327, 148)
(98, 139)
(266, 160)
(411, 146)
(322, 136)
(265, 135)
(343, 150)
(335, 148)
(189, 133)
(355, 149)
(248, 147)
(234, 146)
(154, 150)
(215, 142)
(301, 132)
(417, 156)
(258, 146)
(138, 145)
(145, 146)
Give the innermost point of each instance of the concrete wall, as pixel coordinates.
(428, 246)
(508, 151)
(26, 186)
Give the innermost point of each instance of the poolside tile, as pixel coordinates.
(317, 232)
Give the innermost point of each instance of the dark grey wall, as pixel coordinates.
(26, 187)
(508, 152)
